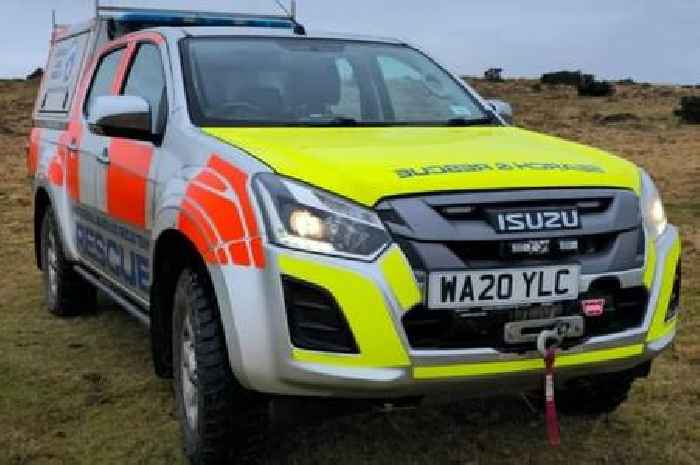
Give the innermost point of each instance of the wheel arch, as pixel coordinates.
(172, 252)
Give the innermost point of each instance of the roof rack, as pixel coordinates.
(129, 19)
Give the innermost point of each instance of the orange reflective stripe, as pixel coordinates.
(215, 191)
(64, 169)
(258, 253)
(127, 177)
(221, 213)
(72, 137)
(55, 170)
(211, 180)
(33, 151)
(239, 181)
(190, 229)
(239, 253)
(205, 227)
(208, 192)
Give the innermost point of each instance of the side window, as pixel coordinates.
(103, 79)
(62, 74)
(146, 79)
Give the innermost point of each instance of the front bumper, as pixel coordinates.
(375, 296)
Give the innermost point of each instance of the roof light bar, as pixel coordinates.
(154, 18)
(129, 19)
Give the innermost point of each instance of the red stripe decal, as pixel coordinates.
(33, 151)
(258, 252)
(239, 181)
(127, 178)
(72, 136)
(239, 252)
(55, 170)
(236, 226)
(194, 233)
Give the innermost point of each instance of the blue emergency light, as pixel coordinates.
(135, 20)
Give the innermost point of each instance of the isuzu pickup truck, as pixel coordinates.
(300, 215)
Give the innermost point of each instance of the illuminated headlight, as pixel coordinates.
(301, 217)
(652, 208)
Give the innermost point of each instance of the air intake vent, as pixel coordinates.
(315, 320)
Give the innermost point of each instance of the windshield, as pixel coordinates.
(286, 81)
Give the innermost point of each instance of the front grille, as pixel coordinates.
(456, 231)
(315, 320)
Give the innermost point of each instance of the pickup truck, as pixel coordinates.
(311, 216)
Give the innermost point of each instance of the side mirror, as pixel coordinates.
(503, 109)
(122, 116)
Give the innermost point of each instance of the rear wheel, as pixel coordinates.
(67, 293)
(220, 420)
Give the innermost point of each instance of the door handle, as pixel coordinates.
(103, 157)
(73, 148)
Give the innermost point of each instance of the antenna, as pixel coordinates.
(53, 26)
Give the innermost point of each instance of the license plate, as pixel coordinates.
(503, 287)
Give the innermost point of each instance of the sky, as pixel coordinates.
(647, 40)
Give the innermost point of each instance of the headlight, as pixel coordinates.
(304, 218)
(652, 208)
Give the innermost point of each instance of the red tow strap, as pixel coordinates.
(550, 405)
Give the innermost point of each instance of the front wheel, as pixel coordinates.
(220, 420)
(596, 395)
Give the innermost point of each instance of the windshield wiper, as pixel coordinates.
(470, 122)
(336, 121)
(340, 121)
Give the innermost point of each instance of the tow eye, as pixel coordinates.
(548, 342)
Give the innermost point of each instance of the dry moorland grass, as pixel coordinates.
(82, 391)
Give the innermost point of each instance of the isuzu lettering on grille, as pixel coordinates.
(552, 220)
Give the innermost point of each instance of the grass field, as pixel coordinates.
(82, 391)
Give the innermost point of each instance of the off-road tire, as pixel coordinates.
(67, 293)
(231, 423)
(594, 395)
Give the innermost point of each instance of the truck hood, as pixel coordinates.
(369, 164)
